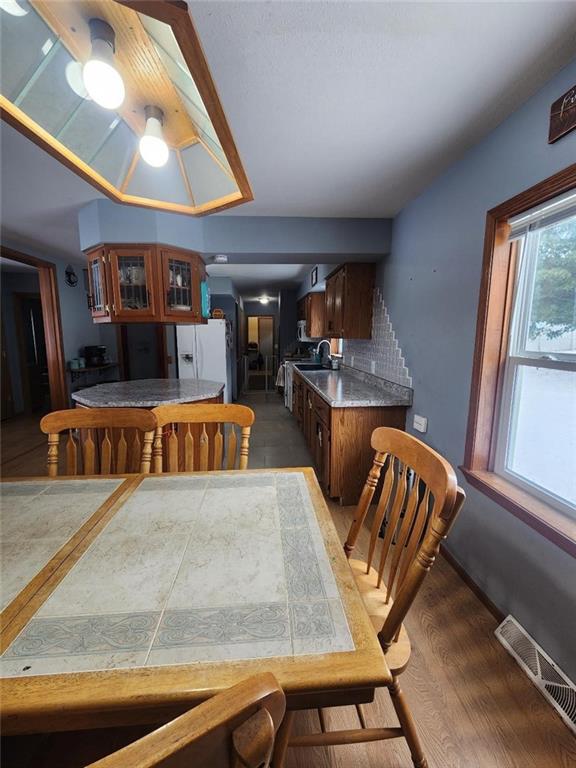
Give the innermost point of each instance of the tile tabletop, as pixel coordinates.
(36, 519)
(192, 568)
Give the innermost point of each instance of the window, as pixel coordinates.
(521, 439)
(536, 440)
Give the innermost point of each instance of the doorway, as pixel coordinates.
(146, 351)
(260, 359)
(33, 372)
(32, 347)
(33, 360)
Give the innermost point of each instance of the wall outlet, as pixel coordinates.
(373, 366)
(420, 423)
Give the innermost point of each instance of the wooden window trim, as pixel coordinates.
(498, 271)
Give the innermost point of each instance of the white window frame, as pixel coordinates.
(517, 357)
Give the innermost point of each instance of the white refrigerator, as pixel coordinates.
(204, 353)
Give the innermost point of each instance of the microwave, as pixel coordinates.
(301, 332)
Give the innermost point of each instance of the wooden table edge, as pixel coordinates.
(90, 699)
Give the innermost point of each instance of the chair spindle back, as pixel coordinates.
(234, 729)
(418, 504)
(201, 438)
(104, 441)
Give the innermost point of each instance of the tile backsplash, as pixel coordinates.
(381, 355)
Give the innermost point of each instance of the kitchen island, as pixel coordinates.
(149, 393)
(337, 412)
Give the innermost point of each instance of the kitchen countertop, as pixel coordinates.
(348, 388)
(147, 393)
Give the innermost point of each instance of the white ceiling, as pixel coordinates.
(255, 280)
(350, 108)
(339, 109)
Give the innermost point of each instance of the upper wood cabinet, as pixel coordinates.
(182, 276)
(146, 283)
(133, 282)
(348, 302)
(312, 308)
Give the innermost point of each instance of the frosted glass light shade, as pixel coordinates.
(102, 81)
(13, 8)
(153, 148)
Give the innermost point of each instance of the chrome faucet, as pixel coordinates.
(324, 341)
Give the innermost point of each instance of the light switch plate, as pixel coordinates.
(420, 423)
(373, 366)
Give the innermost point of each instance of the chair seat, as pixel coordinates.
(374, 599)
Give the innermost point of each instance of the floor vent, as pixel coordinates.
(552, 682)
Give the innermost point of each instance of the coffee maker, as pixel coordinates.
(95, 356)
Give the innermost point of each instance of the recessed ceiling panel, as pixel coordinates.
(168, 90)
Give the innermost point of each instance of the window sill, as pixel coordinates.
(553, 525)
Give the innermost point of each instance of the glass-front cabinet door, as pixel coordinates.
(181, 281)
(132, 277)
(98, 296)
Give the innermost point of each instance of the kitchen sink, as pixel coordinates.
(310, 367)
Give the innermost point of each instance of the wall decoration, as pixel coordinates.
(70, 276)
(314, 276)
(562, 115)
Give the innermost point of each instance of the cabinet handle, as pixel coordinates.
(320, 437)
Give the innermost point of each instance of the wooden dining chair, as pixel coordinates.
(234, 729)
(102, 441)
(418, 504)
(203, 437)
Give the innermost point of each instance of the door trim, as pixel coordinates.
(52, 324)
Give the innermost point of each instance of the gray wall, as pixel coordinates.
(259, 239)
(431, 284)
(15, 282)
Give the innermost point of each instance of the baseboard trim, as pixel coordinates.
(466, 578)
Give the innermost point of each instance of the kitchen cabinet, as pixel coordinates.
(98, 300)
(146, 283)
(182, 276)
(311, 308)
(132, 280)
(339, 438)
(348, 302)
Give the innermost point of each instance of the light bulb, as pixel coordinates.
(102, 81)
(13, 8)
(153, 148)
(264, 300)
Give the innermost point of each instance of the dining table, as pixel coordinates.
(129, 599)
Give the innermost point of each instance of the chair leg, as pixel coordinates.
(282, 740)
(407, 723)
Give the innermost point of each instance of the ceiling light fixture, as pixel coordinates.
(220, 258)
(102, 80)
(264, 300)
(13, 8)
(153, 148)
